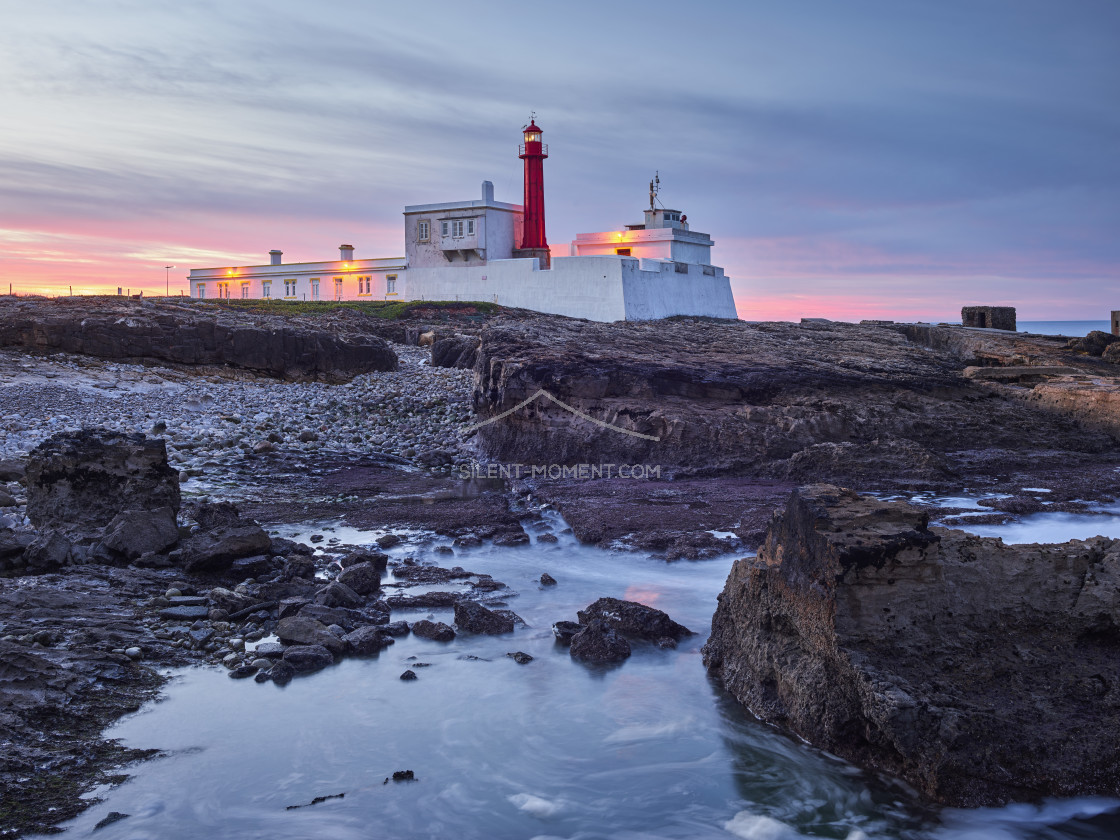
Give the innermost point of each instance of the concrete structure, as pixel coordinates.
(1116, 321)
(480, 250)
(990, 317)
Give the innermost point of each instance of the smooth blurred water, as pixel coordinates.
(649, 748)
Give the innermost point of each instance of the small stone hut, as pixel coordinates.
(991, 317)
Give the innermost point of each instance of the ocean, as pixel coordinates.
(1073, 329)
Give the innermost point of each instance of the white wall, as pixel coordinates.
(665, 292)
(326, 272)
(602, 288)
(581, 287)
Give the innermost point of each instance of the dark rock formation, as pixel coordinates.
(215, 551)
(702, 398)
(981, 673)
(362, 578)
(305, 658)
(597, 641)
(1093, 344)
(564, 630)
(337, 594)
(331, 346)
(475, 618)
(134, 533)
(634, 620)
(79, 483)
(366, 640)
(303, 630)
(455, 351)
(437, 631)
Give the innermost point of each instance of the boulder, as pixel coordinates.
(305, 658)
(133, 533)
(376, 559)
(1094, 344)
(78, 483)
(282, 672)
(231, 602)
(599, 642)
(301, 630)
(979, 672)
(475, 618)
(337, 594)
(633, 620)
(1112, 353)
(362, 578)
(47, 553)
(211, 516)
(366, 640)
(214, 551)
(564, 630)
(252, 567)
(437, 631)
(12, 469)
(455, 351)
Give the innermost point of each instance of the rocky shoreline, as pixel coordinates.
(744, 413)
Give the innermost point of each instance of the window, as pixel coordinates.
(423, 230)
(457, 228)
(266, 288)
(244, 291)
(390, 284)
(289, 288)
(363, 285)
(470, 227)
(338, 288)
(223, 290)
(201, 291)
(314, 288)
(682, 268)
(443, 228)
(622, 252)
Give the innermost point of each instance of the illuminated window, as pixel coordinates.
(424, 230)
(244, 291)
(443, 228)
(457, 228)
(622, 252)
(266, 289)
(201, 291)
(314, 288)
(470, 227)
(390, 284)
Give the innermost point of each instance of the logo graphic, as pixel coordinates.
(571, 410)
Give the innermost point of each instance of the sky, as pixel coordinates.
(860, 159)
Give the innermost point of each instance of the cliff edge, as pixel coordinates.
(981, 673)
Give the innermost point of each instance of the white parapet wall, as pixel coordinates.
(605, 288)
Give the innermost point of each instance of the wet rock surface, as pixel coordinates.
(634, 620)
(980, 672)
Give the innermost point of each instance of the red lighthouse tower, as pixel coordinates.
(533, 152)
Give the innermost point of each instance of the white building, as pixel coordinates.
(466, 251)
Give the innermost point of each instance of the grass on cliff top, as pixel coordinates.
(386, 310)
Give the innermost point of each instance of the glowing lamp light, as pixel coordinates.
(229, 271)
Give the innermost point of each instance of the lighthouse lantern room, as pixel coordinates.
(534, 243)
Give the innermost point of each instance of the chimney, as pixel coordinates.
(347, 252)
(488, 192)
(275, 256)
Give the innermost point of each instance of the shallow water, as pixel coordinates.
(650, 748)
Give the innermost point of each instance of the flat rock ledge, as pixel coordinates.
(981, 673)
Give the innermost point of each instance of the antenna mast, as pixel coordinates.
(654, 189)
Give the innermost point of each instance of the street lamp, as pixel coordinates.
(167, 278)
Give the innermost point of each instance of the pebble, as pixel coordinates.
(133, 652)
(416, 409)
